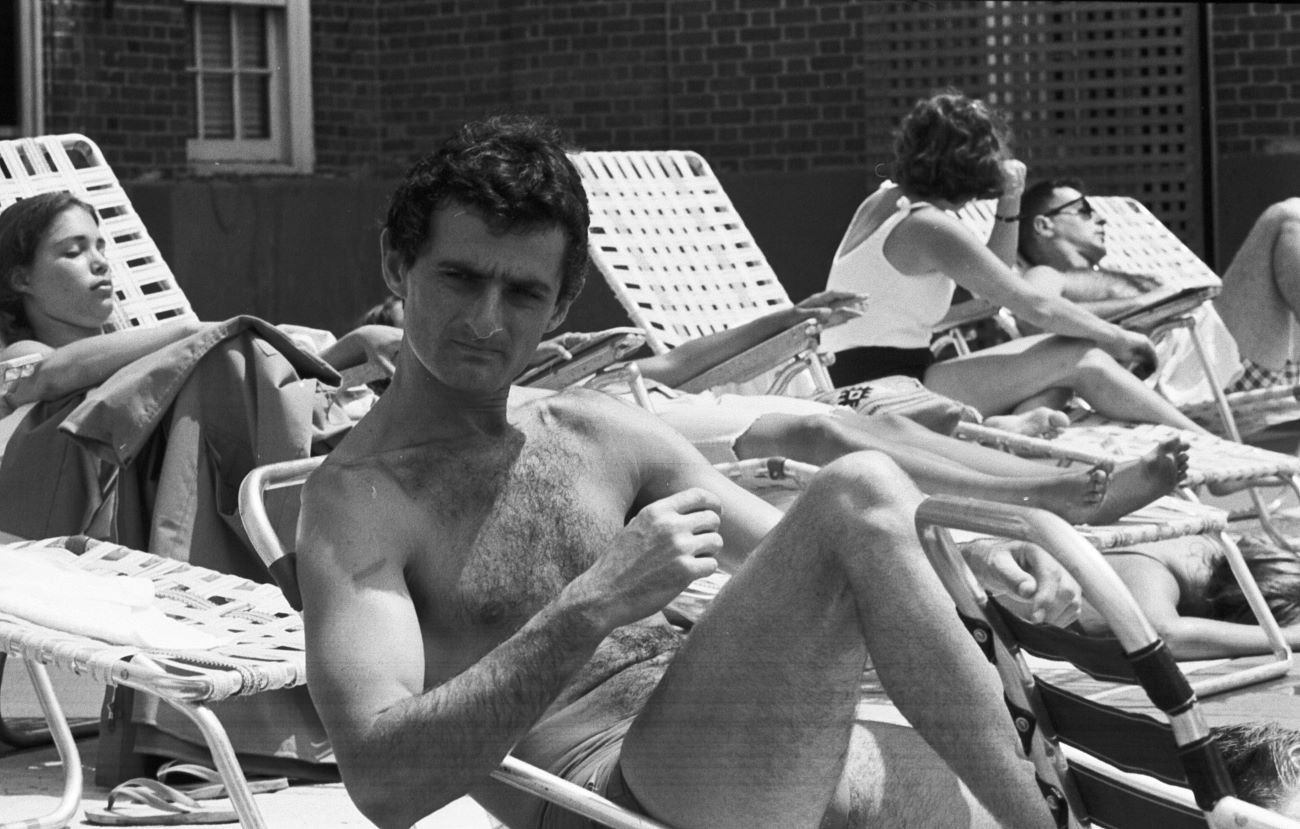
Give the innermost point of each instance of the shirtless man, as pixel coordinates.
(478, 581)
(1259, 304)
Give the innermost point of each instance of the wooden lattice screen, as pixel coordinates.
(1108, 92)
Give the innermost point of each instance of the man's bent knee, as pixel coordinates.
(1286, 211)
(863, 480)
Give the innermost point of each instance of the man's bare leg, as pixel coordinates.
(753, 723)
(1260, 301)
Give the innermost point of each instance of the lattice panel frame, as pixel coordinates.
(145, 291)
(1109, 92)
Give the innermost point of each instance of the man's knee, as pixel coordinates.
(862, 481)
(1284, 214)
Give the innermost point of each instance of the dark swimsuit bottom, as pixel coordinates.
(858, 365)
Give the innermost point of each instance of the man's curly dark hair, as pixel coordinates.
(510, 169)
(951, 147)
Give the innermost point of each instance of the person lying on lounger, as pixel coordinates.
(905, 248)
(731, 427)
(480, 580)
(56, 297)
(1064, 240)
(1188, 593)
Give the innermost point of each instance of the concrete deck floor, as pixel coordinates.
(31, 779)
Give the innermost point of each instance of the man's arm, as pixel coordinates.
(947, 246)
(404, 751)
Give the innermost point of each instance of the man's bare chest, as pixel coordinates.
(506, 531)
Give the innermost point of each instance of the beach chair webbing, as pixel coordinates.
(1114, 805)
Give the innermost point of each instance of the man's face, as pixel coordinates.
(478, 301)
(1074, 224)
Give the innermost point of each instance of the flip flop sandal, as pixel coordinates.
(212, 786)
(154, 804)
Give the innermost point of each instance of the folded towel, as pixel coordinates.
(43, 585)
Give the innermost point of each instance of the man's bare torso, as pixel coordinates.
(490, 530)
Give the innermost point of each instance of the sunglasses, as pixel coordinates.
(1085, 209)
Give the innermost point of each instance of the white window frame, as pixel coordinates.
(291, 147)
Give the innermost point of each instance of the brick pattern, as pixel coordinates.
(760, 85)
(114, 73)
(755, 85)
(1256, 59)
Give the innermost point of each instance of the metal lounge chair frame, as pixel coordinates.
(262, 651)
(1088, 779)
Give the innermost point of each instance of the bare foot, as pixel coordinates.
(1041, 422)
(1131, 485)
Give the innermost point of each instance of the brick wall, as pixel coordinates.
(760, 85)
(757, 86)
(114, 73)
(1256, 60)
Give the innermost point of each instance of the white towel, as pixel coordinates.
(44, 586)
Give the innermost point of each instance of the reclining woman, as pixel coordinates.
(906, 250)
(56, 295)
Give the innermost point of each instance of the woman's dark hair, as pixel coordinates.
(1276, 571)
(1261, 760)
(511, 169)
(388, 312)
(951, 147)
(23, 226)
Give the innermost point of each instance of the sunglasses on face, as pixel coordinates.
(1085, 209)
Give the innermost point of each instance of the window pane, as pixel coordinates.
(254, 106)
(250, 30)
(214, 36)
(218, 107)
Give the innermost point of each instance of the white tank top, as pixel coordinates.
(903, 308)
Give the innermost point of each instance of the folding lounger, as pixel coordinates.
(1097, 765)
(682, 263)
(261, 650)
(144, 289)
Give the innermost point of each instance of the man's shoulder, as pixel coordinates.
(584, 408)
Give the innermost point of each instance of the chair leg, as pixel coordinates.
(31, 738)
(223, 757)
(70, 801)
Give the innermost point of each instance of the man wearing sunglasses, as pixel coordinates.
(1063, 240)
